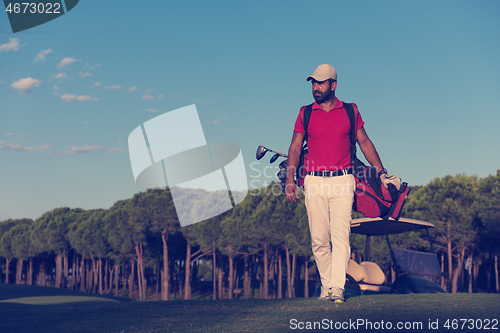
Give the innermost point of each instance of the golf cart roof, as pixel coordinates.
(373, 226)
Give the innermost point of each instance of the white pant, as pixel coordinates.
(329, 207)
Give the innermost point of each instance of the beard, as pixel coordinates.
(321, 97)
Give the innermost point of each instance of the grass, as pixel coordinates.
(67, 311)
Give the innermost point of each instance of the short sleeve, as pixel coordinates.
(299, 123)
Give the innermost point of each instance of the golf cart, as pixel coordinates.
(416, 272)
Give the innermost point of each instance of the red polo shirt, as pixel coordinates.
(328, 141)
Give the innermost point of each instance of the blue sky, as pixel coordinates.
(424, 74)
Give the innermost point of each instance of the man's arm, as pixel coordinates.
(294, 151)
(369, 150)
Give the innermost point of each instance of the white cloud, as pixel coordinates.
(65, 62)
(147, 95)
(25, 85)
(60, 76)
(151, 110)
(116, 150)
(12, 45)
(73, 97)
(97, 84)
(41, 55)
(118, 87)
(220, 118)
(78, 150)
(11, 146)
(83, 75)
(133, 88)
(17, 136)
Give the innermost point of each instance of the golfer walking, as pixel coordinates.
(329, 184)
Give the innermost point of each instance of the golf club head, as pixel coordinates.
(274, 158)
(261, 151)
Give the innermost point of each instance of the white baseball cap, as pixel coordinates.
(323, 73)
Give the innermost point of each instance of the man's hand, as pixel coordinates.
(291, 191)
(389, 179)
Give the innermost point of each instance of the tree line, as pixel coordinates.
(261, 248)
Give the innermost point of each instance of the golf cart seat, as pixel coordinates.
(366, 276)
(374, 274)
(357, 272)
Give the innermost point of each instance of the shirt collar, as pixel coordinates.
(338, 105)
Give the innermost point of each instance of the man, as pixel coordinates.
(328, 195)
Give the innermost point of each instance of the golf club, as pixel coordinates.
(261, 151)
(274, 158)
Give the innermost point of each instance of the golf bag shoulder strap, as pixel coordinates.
(300, 173)
(352, 133)
(307, 117)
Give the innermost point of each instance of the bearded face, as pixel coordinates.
(322, 91)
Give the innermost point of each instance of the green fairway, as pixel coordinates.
(45, 300)
(14, 293)
(79, 312)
